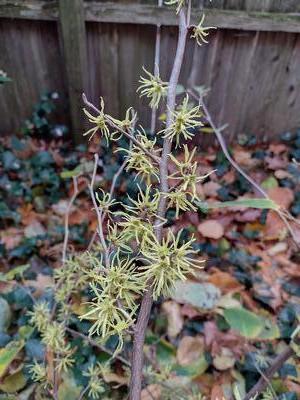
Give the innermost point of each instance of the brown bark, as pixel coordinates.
(147, 301)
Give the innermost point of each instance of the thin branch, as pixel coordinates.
(67, 231)
(83, 392)
(263, 382)
(97, 345)
(156, 67)
(121, 130)
(283, 214)
(218, 133)
(147, 301)
(171, 100)
(269, 384)
(99, 212)
(111, 192)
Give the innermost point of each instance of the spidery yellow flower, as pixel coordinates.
(134, 228)
(168, 262)
(40, 316)
(96, 384)
(39, 373)
(185, 119)
(126, 123)
(179, 4)
(121, 281)
(187, 173)
(139, 161)
(100, 124)
(146, 204)
(180, 200)
(107, 315)
(105, 202)
(153, 88)
(200, 32)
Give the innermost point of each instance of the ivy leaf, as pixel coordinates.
(8, 354)
(13, 383)
(194, 369)
(245, 322)
(270, 330)
(5, 315)
(68, 390)
(10, 275)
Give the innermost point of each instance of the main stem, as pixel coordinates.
(144, 313)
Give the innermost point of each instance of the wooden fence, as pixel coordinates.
(251, 65)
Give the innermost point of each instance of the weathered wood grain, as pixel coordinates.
(73, 36)
(33, 9)
(230, 18)
(30, 54)
(253, 74)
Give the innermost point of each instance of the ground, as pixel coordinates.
(223, 327)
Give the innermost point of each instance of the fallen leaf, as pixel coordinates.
(174, 316)
(215, 340)
(40, 284)
(61, 207)
(201, 295)
(11, 237)
(280, 247)
(244, 158)
(243, 321)
(151, 392)
(282, 196)
(277, 148)
(224, 360)
(68, 389)
(113, 377)
(210, 189)
(224, 281)
(217, 393)
(211, 229)
(269, 183)
(34, 229)
(275, 163)
(189, 350)
(8, 354)
(5, 315)
(188, 311)
(282, 174)
(28, 215)
(275, 228)
(13, 383)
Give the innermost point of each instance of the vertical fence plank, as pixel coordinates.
(73, 34)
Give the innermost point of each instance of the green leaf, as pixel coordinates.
(5, 315)
(264, 204)
(269, 183)
(72, 173)
(270, 330)
(10, 275)
(166, 352)
(25, 331)
(193, 370)
(201, 295)
(8, 354)
(245, 322)
(68, 390)
(13, 383)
